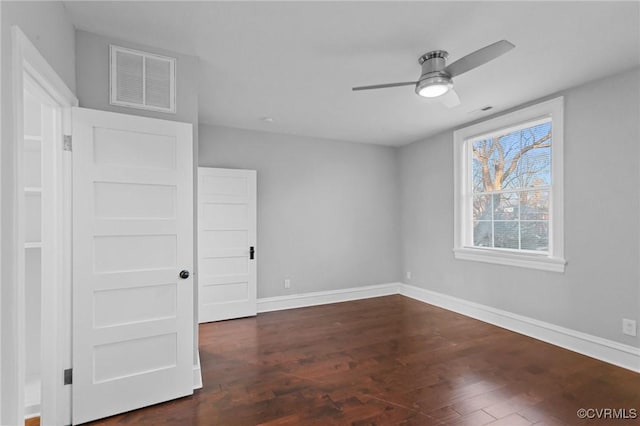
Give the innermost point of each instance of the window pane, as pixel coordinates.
(482, 234)
(534, 205)
(527, 157)
(506, 235)
(519, 159)
(505, 206)
(535, 235)
(478, 173)
(483, 159)
(482, 207)
(534, 168)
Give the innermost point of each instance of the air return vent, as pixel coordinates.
(142, 80)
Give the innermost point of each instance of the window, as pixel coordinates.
(508, 189)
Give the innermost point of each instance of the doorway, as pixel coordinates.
(41, 217)
(41, 122)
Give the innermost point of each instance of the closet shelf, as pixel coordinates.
(32, 245)
(32, 138)
(32, 189)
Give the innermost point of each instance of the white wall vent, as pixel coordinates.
(142, 80)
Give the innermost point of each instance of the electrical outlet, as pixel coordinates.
(287, 283)
(629, 326)
(408, 275)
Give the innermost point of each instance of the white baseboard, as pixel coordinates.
(278, 303)
(619, 354)
(31, 411)
(197, 373)
(615, 353)
(33, 396)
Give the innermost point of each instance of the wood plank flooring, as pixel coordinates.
(33, 421)
(388, 361)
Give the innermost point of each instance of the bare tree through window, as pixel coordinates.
(511, 178)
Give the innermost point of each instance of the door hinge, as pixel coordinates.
(68, 376)
(67, 143)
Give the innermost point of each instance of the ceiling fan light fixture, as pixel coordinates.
(433, 87)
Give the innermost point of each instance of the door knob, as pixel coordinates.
(184, 274)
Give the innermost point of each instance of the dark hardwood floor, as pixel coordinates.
(388, 361)
(33, 421)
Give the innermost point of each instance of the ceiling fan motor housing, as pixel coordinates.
(433, 62)
(433, 74)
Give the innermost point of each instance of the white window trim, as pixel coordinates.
(554, 259)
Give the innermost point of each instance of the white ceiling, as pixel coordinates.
(297, 61)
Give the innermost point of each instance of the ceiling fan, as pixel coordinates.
(436, 78)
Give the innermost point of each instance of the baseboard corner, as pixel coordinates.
(605, 350)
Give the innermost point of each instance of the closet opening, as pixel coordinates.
(41, 178)
(41, 125)
(42, 237)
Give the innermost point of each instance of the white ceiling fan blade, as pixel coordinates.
(384, 86)
(479, 57)
(450, 99)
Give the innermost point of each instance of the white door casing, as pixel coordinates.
(132, 235)
(56, 347)
(226, 233)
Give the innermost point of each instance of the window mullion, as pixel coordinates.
(519, 221)
(502, 191)
(493, 224)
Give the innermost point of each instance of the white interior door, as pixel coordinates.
(132, 237)
(227, 284)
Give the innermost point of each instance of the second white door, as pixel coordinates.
(226, 244)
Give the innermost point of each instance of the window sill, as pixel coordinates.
(532, 261)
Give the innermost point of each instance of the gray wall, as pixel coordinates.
(601, 282)
(92, 69)
(47, 26)
(327, 210)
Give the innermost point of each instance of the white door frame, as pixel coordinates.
(26, 60)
